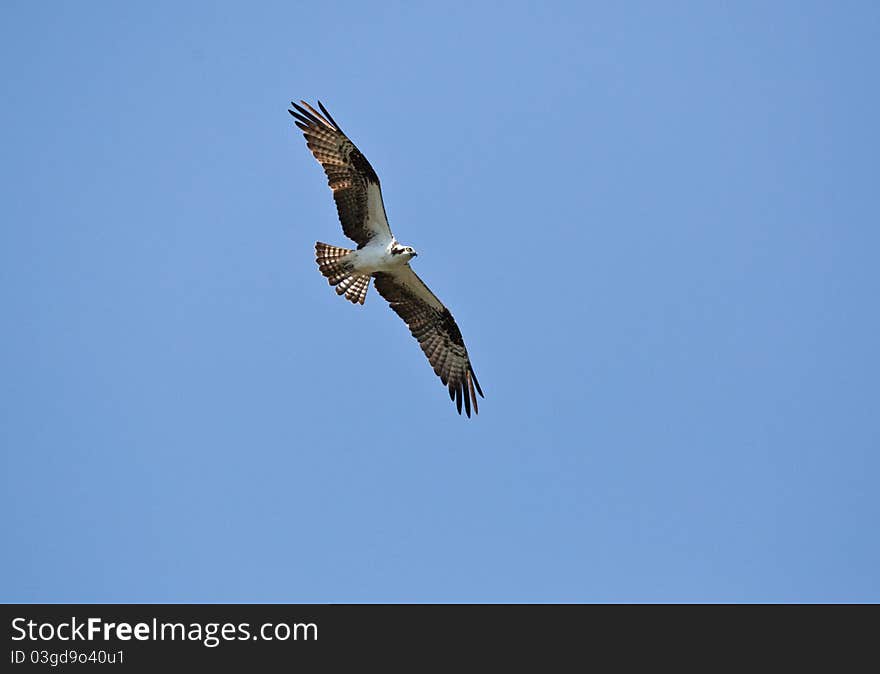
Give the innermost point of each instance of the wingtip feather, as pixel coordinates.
(319, 118)
(470, 381)
(330, 117)
(473, 375)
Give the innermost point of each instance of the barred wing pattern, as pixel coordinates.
(436, 331)
(355, 184)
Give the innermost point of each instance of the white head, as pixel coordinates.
(406, 253)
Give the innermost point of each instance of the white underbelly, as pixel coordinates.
(374, 258)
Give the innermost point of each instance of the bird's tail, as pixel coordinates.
(332, 263)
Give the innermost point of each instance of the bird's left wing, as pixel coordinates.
(355, 184)
(436, 331)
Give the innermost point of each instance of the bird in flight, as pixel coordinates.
(379, 256)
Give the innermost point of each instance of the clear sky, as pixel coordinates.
(657, 225)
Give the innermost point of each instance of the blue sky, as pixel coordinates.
(656, 225)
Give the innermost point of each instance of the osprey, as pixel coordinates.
(358, 198)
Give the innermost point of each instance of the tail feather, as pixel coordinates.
(332, 263)
(355, 288)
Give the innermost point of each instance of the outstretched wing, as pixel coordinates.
(354, 183)
(433, 326)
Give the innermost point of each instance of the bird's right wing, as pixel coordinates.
(354, 183)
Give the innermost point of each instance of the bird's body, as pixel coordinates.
(380, 257)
